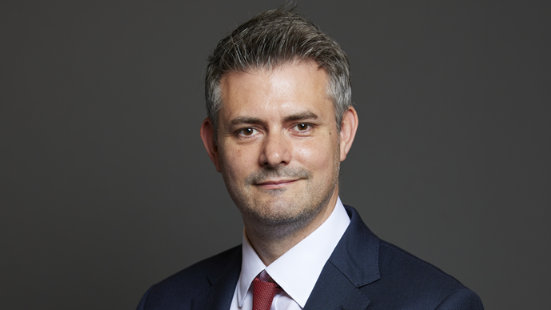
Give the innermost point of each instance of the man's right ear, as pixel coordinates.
(207, 135)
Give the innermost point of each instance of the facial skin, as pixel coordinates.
(279, 150)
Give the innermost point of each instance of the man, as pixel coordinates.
(279, 123)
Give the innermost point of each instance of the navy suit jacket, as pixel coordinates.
(363, 272)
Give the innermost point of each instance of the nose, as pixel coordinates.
(276, 150)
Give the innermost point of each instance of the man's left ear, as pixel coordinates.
(207, 135)
(349, 126)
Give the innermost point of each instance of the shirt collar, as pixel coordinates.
(298, 270)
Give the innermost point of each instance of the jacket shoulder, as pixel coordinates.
(190, 283)
(393, 278)
(415, 282)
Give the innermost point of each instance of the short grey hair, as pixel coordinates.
(273, 38)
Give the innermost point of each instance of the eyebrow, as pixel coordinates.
(255, 120)
(245, 120)
(301, 116)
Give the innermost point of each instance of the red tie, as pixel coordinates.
(263, 294)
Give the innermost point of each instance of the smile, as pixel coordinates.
(275, 184)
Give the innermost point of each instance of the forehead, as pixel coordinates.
(283, 89)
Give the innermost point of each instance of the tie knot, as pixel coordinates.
(263, 294)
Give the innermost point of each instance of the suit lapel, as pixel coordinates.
(223, 285)
(354, 263)
(335, 291)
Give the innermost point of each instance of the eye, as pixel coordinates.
(247, 131)
(303, 126)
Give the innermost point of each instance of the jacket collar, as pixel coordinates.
(357, 253)
(223, 281)
(354, 263)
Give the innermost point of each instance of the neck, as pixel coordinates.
(271, 242)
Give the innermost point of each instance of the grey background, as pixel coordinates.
(106, 188)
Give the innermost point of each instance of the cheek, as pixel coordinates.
(236, 162)
(317, 156)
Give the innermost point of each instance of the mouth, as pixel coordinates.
(275, 184)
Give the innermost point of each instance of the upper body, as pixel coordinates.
(280, 122)
(363, 272)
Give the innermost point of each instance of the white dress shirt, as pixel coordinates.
(297, 270)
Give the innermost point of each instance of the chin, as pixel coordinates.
(279, 225)
(281, 212)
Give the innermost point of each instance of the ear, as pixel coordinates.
(207, 135)
(349, 126)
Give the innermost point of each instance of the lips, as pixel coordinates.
(275, 184)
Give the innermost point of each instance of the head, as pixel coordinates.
(271, 39)
(279, 120)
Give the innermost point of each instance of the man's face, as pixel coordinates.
(278, 144)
